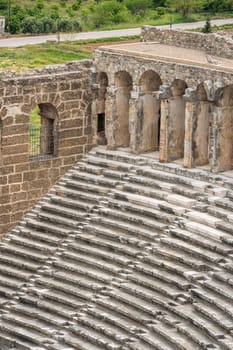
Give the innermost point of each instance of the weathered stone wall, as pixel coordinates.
(212, 44)
(23, 180)
(187, 117)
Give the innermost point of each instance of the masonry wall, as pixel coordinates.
(212, 44)
(23, 180)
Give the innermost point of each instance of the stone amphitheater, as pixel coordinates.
(133, 247)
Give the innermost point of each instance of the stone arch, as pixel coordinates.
(102, 81)
(43, 131)
(225, 130)
(145, 118)
(149, 81)
(123, 85)
(176, 128)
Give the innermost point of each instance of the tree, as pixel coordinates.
(183, 6)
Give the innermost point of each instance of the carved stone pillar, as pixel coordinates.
(190, 124)
(135, 119)
(111, 117)
(215, 90)
(164, 95)
(94, 112)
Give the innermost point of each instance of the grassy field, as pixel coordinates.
(27, 57)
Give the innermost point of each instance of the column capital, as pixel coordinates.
(214, 89)
(111, 90)
(164, 92)
(190, 95)
(135, 92)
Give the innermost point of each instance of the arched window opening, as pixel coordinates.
(102, 80)
(43, 133)
(124, 84)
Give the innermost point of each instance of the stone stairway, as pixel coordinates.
(123, 253)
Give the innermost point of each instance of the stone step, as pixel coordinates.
(203, 230)
(132, 219)
(21, 332)
(202, 218)
(9, 341)
(33, 325)
(113, 258)
(110, 164)
(173, 178)
(39, 237)
(100, 268)
(70, 203)
(80, 344)
(115, 175)
(203, 241)
(23, 252)
(197, 337)
(170, 335)
(45, 227)
(66, 304)
(151, 272)
(58, 220)
(18, 263)
(118, 156)
(31, 243)
(75, 194)
(149, 202)
(72, 263)
(225, 290)
(220, 213)
(87, 187)
(213, 299)
(141, 210)
(144, 191)
(199, 252)
(64, 212)
(105, 325)
(185, 258)
(99, 180)
(95, 335)
(122, 231)
(60, 285)
(73, 279)
(37, 313)
(103, 243)
(216, 316)
(87, 168)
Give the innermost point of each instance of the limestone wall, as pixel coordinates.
(24, 179)
(212, 44)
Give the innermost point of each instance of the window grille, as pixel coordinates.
(43, 141)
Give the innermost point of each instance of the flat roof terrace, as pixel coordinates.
(156, 51)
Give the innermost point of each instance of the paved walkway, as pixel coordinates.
(21, 41)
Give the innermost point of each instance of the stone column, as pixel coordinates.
(111, 117)
(164, 95)
(190, 124)
(94, 112)
(135, 119)
(214, 91)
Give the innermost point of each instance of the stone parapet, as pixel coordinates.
(212, 44)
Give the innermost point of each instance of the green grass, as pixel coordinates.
(33, 56)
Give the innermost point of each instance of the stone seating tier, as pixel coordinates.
(123, 253)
